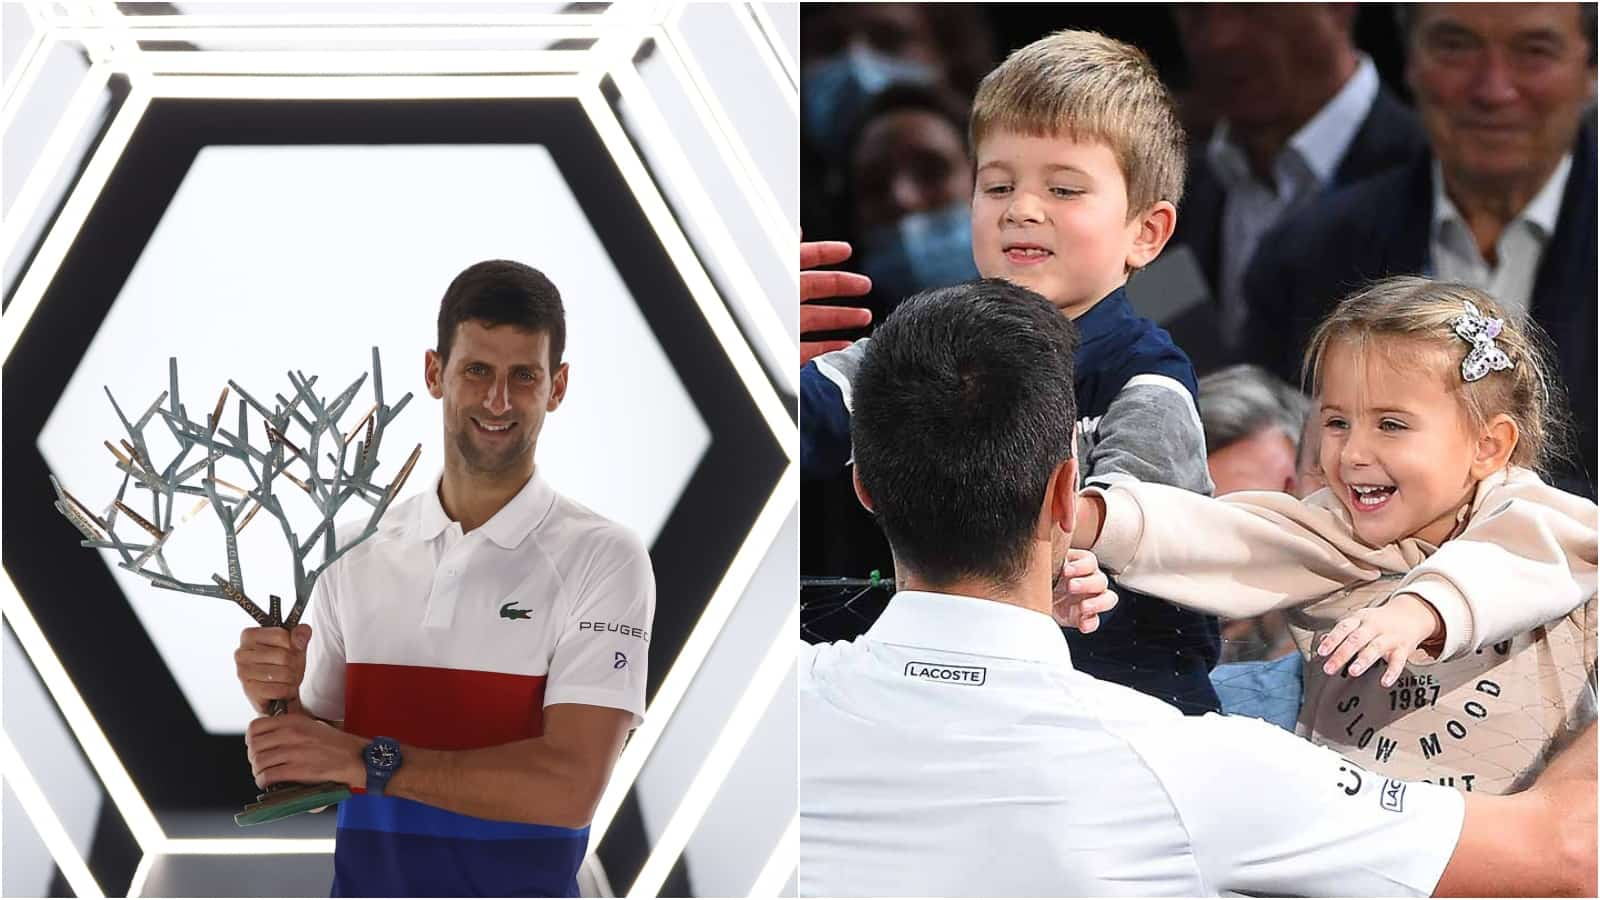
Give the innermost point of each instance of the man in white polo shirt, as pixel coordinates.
(476, 665)
(954, 751)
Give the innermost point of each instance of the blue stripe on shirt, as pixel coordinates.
(392, 847)
(401, 816)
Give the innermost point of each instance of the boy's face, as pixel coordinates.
(1051, 214)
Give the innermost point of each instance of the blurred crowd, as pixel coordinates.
(1329, 145)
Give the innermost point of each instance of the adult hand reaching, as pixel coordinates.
(825, 286)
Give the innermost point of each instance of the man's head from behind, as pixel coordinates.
(1080, 162)
(498, 368)
(962, 424)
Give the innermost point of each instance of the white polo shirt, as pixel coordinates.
(455, 641)
(545, 603)
(952, 750)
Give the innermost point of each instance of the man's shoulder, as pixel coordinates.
(1339, 224)
(396, 524)
(574, 526)
(816, 660)
(1390, 135)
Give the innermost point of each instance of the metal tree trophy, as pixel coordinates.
(330, 479)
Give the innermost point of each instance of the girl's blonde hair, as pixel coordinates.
(1423, 310)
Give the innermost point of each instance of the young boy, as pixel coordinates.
(1079, 159)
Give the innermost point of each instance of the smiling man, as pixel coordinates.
(476, 666)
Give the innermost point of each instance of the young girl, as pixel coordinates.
(1433, 542)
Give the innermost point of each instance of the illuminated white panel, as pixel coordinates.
(305, 257)
(45, 748)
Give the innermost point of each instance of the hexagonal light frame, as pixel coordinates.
(402, 74)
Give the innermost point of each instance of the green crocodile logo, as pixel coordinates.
(510, 612)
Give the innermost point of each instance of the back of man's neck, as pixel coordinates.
(1023, 593)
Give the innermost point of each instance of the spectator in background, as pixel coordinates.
(1253, 423)
(909, 190)
(1301, 111)
(1504, 202)
(851, 52)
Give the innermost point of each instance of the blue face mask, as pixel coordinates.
(834, 92)
(921, 251)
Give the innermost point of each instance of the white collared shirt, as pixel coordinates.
(1518, 251)
(1303, 168)
(451, 640)
(953, 750)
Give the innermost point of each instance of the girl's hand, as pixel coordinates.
(1389, 632)
(1081, 594)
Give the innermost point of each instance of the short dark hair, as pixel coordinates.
(963, 407)
(502, 292)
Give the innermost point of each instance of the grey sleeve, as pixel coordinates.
(1151, 432)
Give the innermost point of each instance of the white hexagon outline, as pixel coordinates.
(675, 167)
(584, 87)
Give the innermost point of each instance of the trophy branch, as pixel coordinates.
(306, 451)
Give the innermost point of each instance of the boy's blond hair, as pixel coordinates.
(1410, 319)
(1084, 86)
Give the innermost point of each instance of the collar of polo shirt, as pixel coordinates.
(506, 528)
(971, 625)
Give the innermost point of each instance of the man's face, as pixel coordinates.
(1263, 461)
(1501, 87)
(1262, 64)
(497, 387)
(1051, 214)
(907, 161)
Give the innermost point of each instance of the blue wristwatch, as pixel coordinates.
(383, 759)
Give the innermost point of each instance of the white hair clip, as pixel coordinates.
(1479, 331)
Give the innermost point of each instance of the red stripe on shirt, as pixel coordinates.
(442, 709)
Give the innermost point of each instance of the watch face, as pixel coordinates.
(383, 756)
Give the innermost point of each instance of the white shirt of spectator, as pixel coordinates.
(546, 591)
(953, 750)
(1518, 251)
(1303, 168)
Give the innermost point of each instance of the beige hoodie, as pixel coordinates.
(1516, 591)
